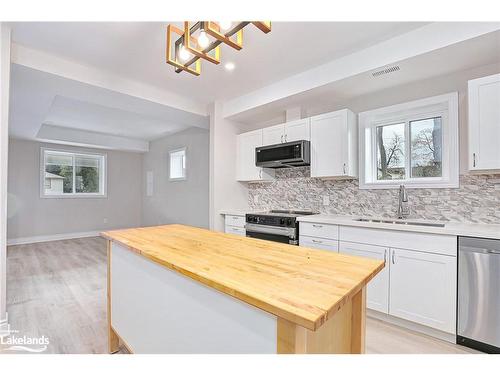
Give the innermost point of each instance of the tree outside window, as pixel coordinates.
(425, 149)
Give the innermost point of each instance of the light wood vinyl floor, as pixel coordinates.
(58, 289)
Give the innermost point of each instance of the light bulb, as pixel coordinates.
(203, 40)
(229, 66)
(183, 53)
(225, 25)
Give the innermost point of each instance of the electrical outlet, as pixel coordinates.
(326, 200)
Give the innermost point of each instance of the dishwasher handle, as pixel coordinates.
(479, 250)
(479, 245)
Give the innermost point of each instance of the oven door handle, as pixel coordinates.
(269, 229)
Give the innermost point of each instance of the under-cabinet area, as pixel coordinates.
(418, 282)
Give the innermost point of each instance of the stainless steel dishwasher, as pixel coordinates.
(478, 323)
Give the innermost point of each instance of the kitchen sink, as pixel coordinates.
(404, 222)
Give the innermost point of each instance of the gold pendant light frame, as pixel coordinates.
(187, 39)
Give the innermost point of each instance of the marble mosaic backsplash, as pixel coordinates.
(477, 200)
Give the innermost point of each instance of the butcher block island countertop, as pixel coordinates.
(303, 286)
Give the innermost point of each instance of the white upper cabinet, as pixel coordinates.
(297, 130)
(484, 123)
(334, 150)
(245, 155)
(291, 131)
(274, 135)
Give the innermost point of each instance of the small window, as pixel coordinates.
(178, 164)
(391, 152)
(69, 174)
(426, 147)
(413, 143)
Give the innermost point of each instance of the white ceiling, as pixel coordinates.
(137, 50)
(41, 98)
(476, 52)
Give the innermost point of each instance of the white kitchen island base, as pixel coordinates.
(156, 310)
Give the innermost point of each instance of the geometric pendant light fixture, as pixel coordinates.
(201, 40)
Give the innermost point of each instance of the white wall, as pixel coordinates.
(4, 141)
(30, 216)
(182, 201)
(225, 191)
(416, 90)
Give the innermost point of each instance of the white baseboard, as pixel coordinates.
(412, 326)
(52, 237)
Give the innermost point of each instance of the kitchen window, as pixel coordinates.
(65, 174)
(414, 144)
(177, 164)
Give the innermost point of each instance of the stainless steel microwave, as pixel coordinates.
(284, 155)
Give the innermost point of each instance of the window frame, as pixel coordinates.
(444, 106)
(103, 183)
(184, 177)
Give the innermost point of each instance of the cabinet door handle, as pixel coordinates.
(474, 159)
(385, 255)
(317, 241)
(260, 174)
(281, 138)
(317, 226)
(393, 254)
(344, 168)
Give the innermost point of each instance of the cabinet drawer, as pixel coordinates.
(426, 242)
(235, 230)
(319, 243)
(235, 221)
(320, 230)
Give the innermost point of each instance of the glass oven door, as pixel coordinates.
(270, 233)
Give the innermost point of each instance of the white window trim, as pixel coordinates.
(185, 168)
(103, 193)
(445, 106)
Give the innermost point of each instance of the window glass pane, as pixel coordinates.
(58, 177)
(391, 152)
(426, 147)
(87, 174)
(178, 164)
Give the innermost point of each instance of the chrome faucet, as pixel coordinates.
(403, 211)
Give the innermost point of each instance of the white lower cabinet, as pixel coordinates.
(319, 243)
(423, 288)
(235, 224)
(235, 230)
(417, 284)
(377, 293)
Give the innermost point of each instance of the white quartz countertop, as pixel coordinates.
(237, 212)
(450, 228)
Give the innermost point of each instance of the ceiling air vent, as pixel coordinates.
(388, 70)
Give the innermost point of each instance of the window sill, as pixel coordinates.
(411, 185)
(71, 196)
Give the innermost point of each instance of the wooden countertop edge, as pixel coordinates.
(312, 325)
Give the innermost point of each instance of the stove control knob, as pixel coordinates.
(250, 219)
(289, 222)
(282, 221)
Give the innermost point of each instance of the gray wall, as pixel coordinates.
(29, 215)
(184, 201)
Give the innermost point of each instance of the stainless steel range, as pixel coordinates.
(275, 225)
